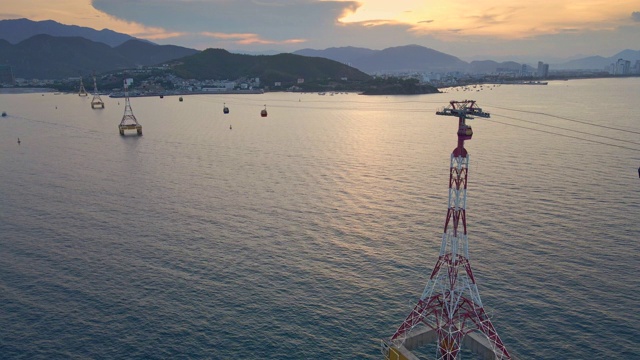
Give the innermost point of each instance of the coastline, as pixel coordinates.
(151, 94)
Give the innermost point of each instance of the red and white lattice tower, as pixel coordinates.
(450, 305)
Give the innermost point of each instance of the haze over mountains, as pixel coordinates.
(17, 30)
(51, 57)
(49, 50)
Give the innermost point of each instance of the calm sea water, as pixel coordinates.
(311, 233)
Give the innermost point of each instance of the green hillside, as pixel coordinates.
(219, 64)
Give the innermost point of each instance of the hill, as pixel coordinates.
(51, 57)
(347, 55)
(219, 64)
(144, 53)
(598, 62)
(17, 30)
(397, 59)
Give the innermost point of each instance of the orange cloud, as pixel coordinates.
(81, 13)
(248, 38)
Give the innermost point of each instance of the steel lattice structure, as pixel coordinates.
(450, 304)
(82, 91)
(97, 100)
(129, 121)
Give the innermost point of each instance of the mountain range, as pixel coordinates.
(50, 50)
(17, 30)
(51, 57)
(421, 59)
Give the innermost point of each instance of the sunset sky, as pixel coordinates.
(545, 30)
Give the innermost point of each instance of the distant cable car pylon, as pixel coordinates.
(96, 101)
(82, 92)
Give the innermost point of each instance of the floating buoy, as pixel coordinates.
(263, 113)
(225, 109)
(19, 141)
(180, 98)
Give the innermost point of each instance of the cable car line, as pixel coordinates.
(568, 119)
(561, 128)
(568, 136)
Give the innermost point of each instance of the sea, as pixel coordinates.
(311, 233)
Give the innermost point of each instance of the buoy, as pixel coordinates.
(263, 113)
(229, 127)
(180, 98)
(19, 141)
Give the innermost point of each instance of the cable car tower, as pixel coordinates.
(450, 310)
(96, 101)
(129, 121)
(82, 91)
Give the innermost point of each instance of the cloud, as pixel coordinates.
(247, 38)
(561, 27)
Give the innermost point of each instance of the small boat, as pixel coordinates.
(225, 109)
(263, 113)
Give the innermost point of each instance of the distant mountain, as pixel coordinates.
(490, 66)
(597, 62)
(219, 64)
(145, 53)
(421, 59)
(51, 57)
(17, 30)
(346, 55)
(392, 60)
(410, 58)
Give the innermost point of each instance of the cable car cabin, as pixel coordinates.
(263, 113)
(465, 132)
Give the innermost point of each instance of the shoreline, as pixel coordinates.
(226, 92)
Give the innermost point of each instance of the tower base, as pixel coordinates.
(136, 127)
(477, 343)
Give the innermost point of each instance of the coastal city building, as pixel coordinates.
(543, 70)
(620, 67)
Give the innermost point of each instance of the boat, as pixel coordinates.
(4, 114)
(263, 113)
